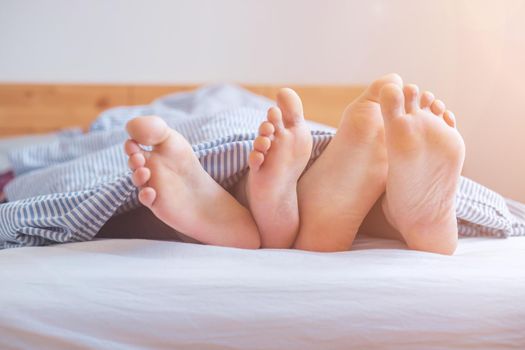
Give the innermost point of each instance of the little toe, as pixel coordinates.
(131, 147)
(426, 99)
(291, 107)
(276, 118)
(136, 160)
(449, 118)
(266, 129)
(255, 160)
(147, 196)
(437, 107)
(392, 101)
(262, 144)
(411, 93)
(141, 176)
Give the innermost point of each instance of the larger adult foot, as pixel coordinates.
(340, 188)
(425, 158)
(281, 152)
(175, 187)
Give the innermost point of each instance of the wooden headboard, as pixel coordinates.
(37, 108)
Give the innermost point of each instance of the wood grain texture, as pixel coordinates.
(42, 108)
(37, 108)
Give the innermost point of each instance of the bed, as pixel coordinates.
(143, 294)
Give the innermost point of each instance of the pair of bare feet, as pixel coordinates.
(395, 147)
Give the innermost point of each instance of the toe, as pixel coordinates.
(266, 129)
(148, 130)
(147, 196)
(131, 147)
(141, 176)
(136, 160)
(255, 160)
(426, 99)
(373, 91)
(437, 107)
(291, 107)
(392, 101)
(449, 118)
(276, 118)
(411, 93)
(262, 144)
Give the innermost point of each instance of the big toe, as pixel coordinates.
(392, 102)
(291, 107)
(148, 130)
(373, 91)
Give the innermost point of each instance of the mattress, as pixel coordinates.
(142, 294)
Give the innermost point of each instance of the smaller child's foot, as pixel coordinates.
(425, 157)
(175, 187)
(281, 152)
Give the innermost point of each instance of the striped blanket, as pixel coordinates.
(64, 191)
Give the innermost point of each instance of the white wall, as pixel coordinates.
(470, 53)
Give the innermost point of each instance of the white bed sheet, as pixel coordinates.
(139, 294)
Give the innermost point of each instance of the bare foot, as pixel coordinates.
(340, 188)
(425, 158)
(175, 187)
(281, 152)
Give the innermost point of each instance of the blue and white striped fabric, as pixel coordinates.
(66, 190)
